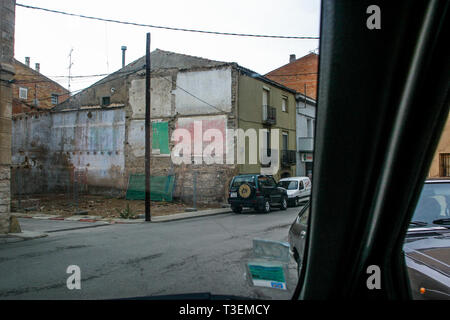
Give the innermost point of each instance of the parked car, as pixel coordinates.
(427, 243)
(298, 189)
(256, 191)
(297, 235)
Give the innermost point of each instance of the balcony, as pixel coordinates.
(288, 158)
(269, 115)
(305, 144)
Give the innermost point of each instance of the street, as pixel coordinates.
(197, 255)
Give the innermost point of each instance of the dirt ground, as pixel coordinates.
(106, 207)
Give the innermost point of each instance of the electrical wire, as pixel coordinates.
(168, 28)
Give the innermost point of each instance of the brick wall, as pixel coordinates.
(297, 74)
(7, 21)
(38, 87)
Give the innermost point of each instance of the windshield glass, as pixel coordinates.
(132, 173)
(289, 185)
(433, 204)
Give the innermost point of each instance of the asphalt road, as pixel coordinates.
(206, 254)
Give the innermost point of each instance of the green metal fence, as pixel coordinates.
(161, 187)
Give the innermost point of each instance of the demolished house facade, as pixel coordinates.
(95, 140)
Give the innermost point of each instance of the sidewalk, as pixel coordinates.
(162, 218)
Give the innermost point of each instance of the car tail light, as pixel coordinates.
(258, 193)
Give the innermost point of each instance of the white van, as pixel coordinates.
(298, 189)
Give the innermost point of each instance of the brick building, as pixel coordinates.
(299, 74)
(32, 91)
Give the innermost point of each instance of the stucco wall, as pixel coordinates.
(49, 148)
(161, 96)
(250, 116)
(211, 86)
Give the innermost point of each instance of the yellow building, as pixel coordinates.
(440, 167)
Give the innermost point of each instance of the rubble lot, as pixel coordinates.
(105, 207)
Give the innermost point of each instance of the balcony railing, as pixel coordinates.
(288, 157)
(305, 144)
(269, 115)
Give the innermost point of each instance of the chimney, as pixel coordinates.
(38, 67)
(124, 48)
(292, 58)
(27, 61)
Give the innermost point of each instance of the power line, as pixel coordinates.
(119, 73)
(169, 28)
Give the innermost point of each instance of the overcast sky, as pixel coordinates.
(48, 38)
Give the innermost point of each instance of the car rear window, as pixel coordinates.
(237, 181)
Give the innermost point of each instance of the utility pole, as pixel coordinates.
(148, 149)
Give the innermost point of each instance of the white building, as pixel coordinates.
(306, 117)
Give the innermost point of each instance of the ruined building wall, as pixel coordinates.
(105, 145)
(181, 98)
(50, 149)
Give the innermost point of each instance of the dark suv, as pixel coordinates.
(256, 191)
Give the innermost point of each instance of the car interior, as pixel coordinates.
(383, 99)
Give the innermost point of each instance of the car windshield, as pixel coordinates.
(289, 185)
(433, 204)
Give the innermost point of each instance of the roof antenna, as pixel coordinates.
(70, 66)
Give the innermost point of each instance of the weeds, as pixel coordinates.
(127, 213)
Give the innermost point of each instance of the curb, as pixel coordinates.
(189, 215)
(24, 235)
(157, 219)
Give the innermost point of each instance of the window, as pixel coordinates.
(285, 141)
(266, 181)
(23, 93)
(54, 98)
(241, 180)
(284, 104)
(303, 218)
(289, 185)
(309, 128)
(301, 186)
(265, 103)
(444, 164)
(106, 101)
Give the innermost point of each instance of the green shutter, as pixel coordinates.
(161, 137)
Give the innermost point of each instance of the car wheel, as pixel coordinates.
(237, 209)
(266, 207)
(284, 204)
